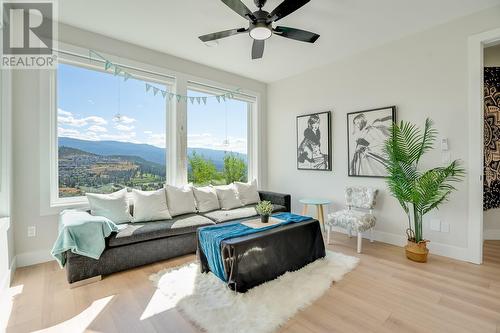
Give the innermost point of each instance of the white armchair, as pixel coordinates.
(358, 215)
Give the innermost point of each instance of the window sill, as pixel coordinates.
(59, 205)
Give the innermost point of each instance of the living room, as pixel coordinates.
(337, 176)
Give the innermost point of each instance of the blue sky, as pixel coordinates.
(93, 105)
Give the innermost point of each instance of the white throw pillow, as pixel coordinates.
(180, 200)
(150, 206)
(227, 197)
(247, 192)
(206, 198)
(114, 206)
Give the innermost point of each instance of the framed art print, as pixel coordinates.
(314, 141)
(367, 132)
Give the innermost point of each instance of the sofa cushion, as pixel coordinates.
(180, 200)
(140, 232)
(220, 216)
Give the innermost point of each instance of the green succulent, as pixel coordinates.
(264, 208)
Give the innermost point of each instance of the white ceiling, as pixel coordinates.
(345, 26)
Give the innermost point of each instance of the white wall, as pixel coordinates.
(491, 218)
(7, 259)
(424, 75)
(26, 132)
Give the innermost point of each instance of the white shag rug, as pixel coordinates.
(212, 306)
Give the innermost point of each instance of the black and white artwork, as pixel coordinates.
(367, 132)
(314, 151)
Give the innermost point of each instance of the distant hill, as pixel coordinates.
(81, 171)
(147, 152)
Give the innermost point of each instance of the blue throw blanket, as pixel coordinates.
(211, 237)
(81, 233)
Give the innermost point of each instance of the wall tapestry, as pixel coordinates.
(366, 134)
(314, 142)
(491, 179)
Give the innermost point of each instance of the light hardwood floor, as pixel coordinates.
(385, 293)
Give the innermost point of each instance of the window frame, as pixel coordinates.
(176, 123)
(97, 65)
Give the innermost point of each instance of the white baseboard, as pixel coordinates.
(451, 251)
(491, 234)
(33, 258)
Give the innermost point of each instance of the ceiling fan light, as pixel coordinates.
(261, 32)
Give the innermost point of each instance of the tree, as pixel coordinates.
(235, 169)
(202, 171)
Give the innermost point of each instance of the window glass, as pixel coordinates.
(217, 140)
(111, 133)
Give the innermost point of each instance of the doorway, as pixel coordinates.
(477, 44)
(491, 180)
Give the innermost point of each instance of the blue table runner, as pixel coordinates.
(211, 237)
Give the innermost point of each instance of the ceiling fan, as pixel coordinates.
(261, 24)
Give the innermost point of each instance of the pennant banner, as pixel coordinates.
(119, 71)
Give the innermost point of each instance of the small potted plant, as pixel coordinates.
(264, 209)
(418, 191)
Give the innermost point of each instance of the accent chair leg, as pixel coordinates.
(371, 235)
(360, 240)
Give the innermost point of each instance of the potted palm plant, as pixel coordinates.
(418, 191)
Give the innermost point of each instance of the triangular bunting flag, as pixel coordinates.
(170, 96)
(218, 98)
(178, 98)
(191, 99)
(223, 97)
(204, 99)
(117, 70)
(164, 93)
(107, 65)
(155, 91)
(148, 87)
(126, 76)
(198, 99)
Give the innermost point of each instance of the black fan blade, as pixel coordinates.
(240, 8)
(297, 34)
(257, 48)
(221, 34)
(285, 8)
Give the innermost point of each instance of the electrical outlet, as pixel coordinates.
(31, 231)
(445, 227)
(435, 225)
(445, 157)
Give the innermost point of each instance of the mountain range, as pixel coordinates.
(147, 152)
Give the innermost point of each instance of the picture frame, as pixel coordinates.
(367, 132)
(314, 141)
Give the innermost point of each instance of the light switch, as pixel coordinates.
(444, 144)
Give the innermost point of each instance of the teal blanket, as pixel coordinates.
(211, 237)
(81, 233)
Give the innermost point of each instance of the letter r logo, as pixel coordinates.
(27, 28)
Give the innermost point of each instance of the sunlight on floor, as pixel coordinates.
(80, 322)
(181, 285)
(6, 303)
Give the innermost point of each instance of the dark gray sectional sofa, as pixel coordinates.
(145, 243)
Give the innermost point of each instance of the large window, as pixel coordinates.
(217, 140)
(111, 134)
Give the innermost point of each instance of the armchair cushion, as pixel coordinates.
(357, 220)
